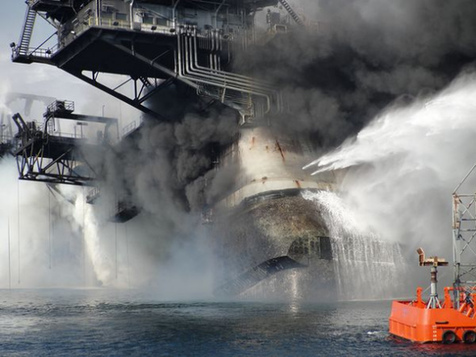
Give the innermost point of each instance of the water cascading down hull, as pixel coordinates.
(267, 237)
(282, 234)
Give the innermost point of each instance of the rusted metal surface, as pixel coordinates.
(280, 149)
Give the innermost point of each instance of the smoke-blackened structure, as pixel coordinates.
(352, 60)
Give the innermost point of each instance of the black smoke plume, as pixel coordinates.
(356, 57)
(351, 60)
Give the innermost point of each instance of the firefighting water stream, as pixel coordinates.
(366, 265)
(401, 169)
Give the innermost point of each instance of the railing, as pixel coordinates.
(60, 106)
(60, 134)
(129, 128)
(5, 138)
(32, 3)
(87, 19)
(38, 52)
(44, 53)
(121, 24)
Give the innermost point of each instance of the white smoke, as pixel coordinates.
(403, 167)
(142, 253)
(57, 239)
(37, 247)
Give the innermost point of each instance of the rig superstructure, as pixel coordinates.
(184, 49)
(154, 44)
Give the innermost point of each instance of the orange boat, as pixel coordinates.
(432, 321)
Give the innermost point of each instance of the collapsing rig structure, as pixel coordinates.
(185, 49)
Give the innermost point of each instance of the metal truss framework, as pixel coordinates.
(143, 89)
(464, 236)
(38, 167)
(42, 156)
(45, 158)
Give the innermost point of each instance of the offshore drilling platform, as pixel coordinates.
(175, 57)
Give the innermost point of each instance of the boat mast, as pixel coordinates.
(464, 234)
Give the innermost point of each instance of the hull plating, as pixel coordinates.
(264, 238)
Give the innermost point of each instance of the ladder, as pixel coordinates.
(25, 39)
(291, 12)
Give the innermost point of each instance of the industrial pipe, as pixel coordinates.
(208, 77)
(174, 14)
(235, 78)
(132, 14)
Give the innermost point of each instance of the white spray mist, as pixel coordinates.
(366, 267)
(403, 167)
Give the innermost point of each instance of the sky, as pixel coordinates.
(24, 78)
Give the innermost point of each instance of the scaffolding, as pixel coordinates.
(464, 235)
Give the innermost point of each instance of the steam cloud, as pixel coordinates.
(39, 246)
(162, 170)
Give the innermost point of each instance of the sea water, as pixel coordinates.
(101, 322)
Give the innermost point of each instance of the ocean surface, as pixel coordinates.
(99, 322)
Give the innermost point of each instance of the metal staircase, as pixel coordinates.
(291, 12)
(23, 47)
